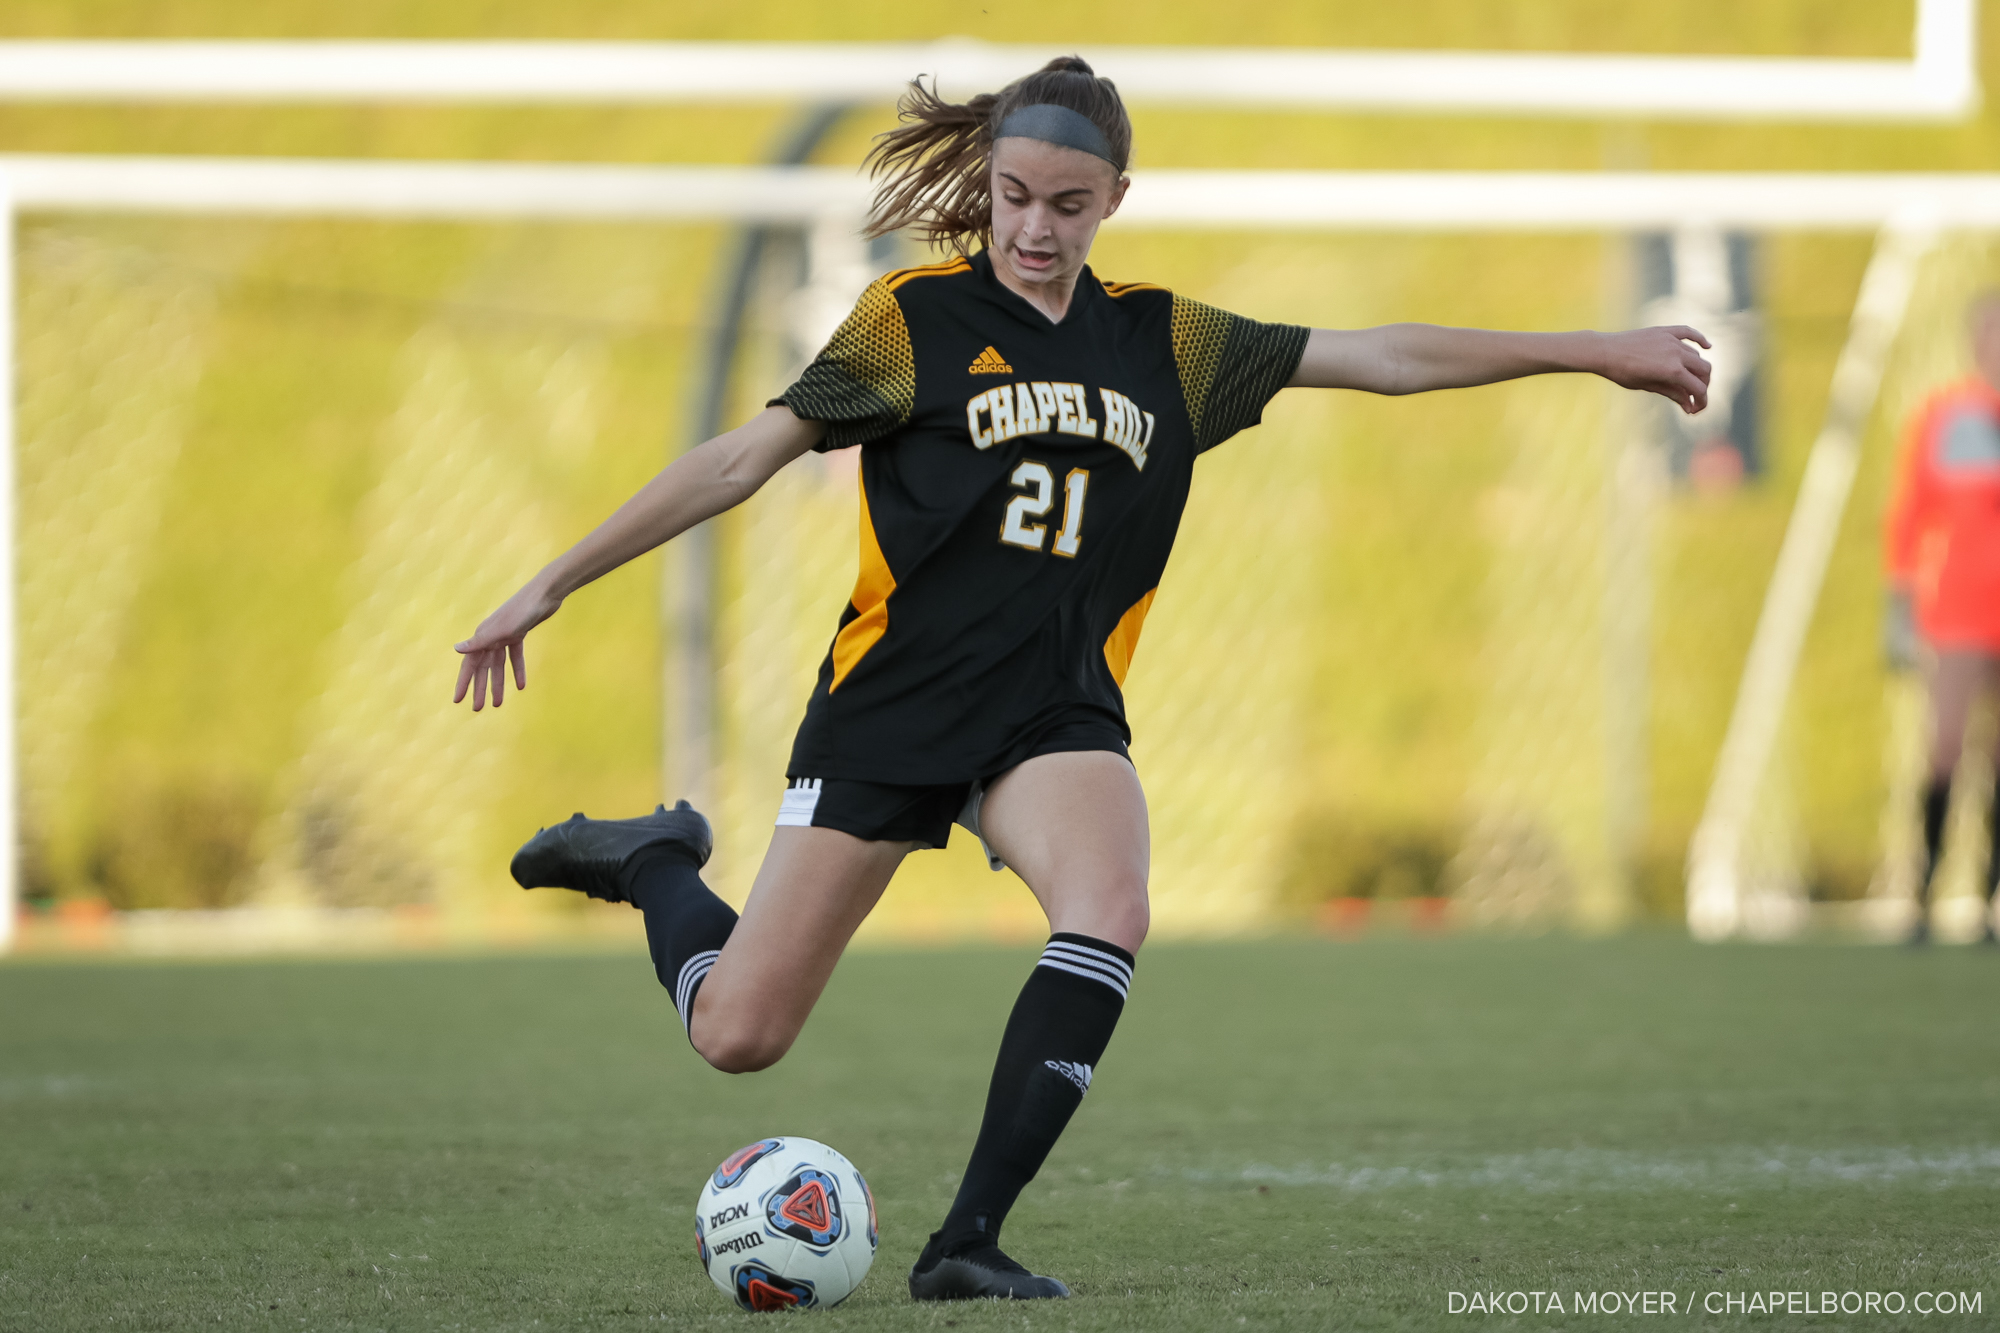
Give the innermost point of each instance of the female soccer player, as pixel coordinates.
(1028, 435)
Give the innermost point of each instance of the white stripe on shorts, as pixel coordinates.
(1083, 961)
(801, 799)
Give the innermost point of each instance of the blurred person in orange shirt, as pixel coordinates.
(1944, 575)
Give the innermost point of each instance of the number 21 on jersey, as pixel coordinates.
(1037, 497)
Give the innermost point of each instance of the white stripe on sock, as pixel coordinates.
(1084, 956)
(1078, 960)
(1085, 951)
(1111, 975)
(692, 971)
(687, 996)
(1083, 972)
(1090, 958)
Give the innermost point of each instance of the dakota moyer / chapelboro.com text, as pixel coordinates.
(1715, 1302)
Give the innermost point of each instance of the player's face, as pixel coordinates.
(1047, 203)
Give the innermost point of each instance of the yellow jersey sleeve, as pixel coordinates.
(863, 383)
(1230, 367)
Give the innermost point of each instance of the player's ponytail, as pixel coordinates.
(933, 167)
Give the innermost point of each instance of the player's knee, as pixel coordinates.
(1116, 909)
(1136, 915)
(739, 1048)
(740, 1057)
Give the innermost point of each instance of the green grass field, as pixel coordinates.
(1286, 1134)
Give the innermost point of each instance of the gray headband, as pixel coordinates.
(1060, 126)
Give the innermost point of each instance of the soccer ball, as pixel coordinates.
(785, 1224)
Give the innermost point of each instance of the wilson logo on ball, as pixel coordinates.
(760, 1289)
(807, 1208)
(734, 1165)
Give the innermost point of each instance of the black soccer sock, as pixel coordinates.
(686, 924)
(1937, 804)
(1055, 1037)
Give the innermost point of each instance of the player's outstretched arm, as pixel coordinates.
(708, 479)
(1415, 358)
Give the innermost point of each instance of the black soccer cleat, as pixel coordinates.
(587, 854)
(982, 1273)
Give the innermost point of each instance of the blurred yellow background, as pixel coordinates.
(270, 471)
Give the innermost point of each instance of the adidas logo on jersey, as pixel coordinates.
(989, 362)
(1077, 1073)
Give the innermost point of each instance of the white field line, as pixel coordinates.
(1732, 1168)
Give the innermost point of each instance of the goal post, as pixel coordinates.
(9, 764)
(1720, 902)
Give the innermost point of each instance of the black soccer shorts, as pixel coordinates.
(892, 812)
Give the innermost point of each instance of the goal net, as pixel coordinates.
(1480, 646)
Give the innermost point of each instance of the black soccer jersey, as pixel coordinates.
(1021, 484)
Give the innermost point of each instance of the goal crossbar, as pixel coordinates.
(1457, 201)
(1938, 81)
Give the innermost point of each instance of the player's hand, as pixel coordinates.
(498, 641)
(1659, 360)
